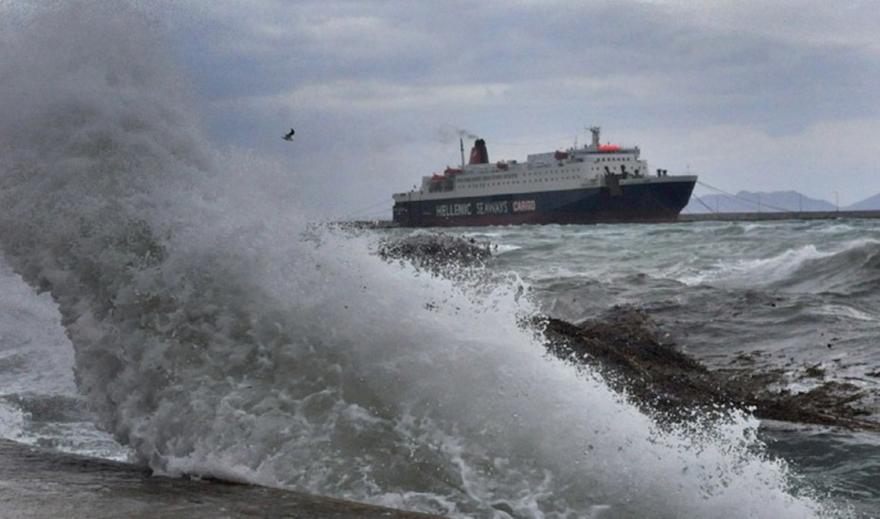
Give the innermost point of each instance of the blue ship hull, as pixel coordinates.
(648, 202)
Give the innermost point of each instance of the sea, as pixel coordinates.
(166, 303)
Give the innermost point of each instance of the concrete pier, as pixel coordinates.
(697, 217)
(36, 483)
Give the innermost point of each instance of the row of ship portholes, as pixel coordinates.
(509, 182)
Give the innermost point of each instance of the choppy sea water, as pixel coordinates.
(718, 289)
(166, 302)
(790, 296)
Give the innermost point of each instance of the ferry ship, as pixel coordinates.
(595, 183)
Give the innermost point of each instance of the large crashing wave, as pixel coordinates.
(214, 339)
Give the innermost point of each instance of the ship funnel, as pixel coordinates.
(479, 153)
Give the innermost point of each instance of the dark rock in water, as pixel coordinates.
(827, 404)
(436, 250)
(814, 371)
(38, 483)
(625, 347)
(366, 224)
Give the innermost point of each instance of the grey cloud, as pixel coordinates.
(366, 76)
(718, 74)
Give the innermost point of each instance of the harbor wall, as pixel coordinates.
(701, 217)
(762, 216)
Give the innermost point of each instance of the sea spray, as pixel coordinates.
(214, 338)
(39, 402)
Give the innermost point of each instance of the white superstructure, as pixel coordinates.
(592, 166)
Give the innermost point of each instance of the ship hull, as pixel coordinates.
(643, 202)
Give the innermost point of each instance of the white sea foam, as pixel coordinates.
(758, 271)
(37, 372)
(33, 349)
(844, 311)
(779, 268)
(11, 422)
(505, 247)
(216, 334)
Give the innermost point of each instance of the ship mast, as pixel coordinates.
(461, 145)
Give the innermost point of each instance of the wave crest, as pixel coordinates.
(852, 269)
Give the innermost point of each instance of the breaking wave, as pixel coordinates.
(852, 269)
(215, 334)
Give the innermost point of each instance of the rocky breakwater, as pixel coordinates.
(626, 347)
(441, 254)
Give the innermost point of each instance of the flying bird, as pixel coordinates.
(289, 136)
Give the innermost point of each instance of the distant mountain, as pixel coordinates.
(748, 202)
(868, 204)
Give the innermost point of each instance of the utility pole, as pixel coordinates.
(836, 201)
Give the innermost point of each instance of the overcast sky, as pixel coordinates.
(754, 96)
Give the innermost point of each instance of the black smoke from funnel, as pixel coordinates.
(479, 153)
(467, 135)
(448, 135)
